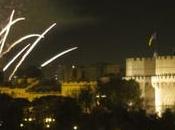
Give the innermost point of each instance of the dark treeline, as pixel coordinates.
(67, 114)
(115, 105)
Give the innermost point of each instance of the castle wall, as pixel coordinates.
(21, 93)
(74, 88)
(140, 66)
(68, 89)
(134, 67)
(164, 92)
(149, 66)
(165, 65)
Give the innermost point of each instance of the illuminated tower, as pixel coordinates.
(156, 77)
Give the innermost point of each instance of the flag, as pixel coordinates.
(153, 37)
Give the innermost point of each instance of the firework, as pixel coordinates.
(15, 57)
(57, 56)
(6, 30)
(30, 49)
(19, 41)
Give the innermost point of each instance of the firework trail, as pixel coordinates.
(19, 41)
(15, 57)
(6, 6)
(13, 22)
(7, 29)
(30, 49)
(58, 55)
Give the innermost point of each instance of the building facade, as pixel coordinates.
(156, 76)
(73, 73)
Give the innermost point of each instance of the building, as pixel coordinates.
(67, 73)
(156, 76)
(73, 89)
(73, 78)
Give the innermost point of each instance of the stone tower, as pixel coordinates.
(156, 77)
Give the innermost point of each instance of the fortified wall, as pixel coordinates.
(156, 77)
(74, 88)
(140, 66)
(165, 65)
(68, 89)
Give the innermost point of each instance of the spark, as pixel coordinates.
(15, 57)
(30, 49)
(19, 41)
(58, 55)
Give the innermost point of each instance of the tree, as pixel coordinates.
(64, 110)
(119, 92)
(31, 72)
(86, 99)
(11, 112)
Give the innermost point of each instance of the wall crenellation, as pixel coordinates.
(166, 57)
(152, 58)
(141, 59)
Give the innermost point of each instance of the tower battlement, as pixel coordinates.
(141, 59)
(165, 65)
(140, 66)
(166, 58)
(137, 77)
(163, 78)
(79, 83)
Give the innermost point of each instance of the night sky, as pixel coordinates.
(104, 30)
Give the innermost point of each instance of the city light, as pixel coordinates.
(49, 119)
(30, 119)
(75, 127)
(97, 96)
(48, 126)
(103, 96)
(73, 66)
(21, 125)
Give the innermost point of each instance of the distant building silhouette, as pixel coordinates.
(85, 73)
